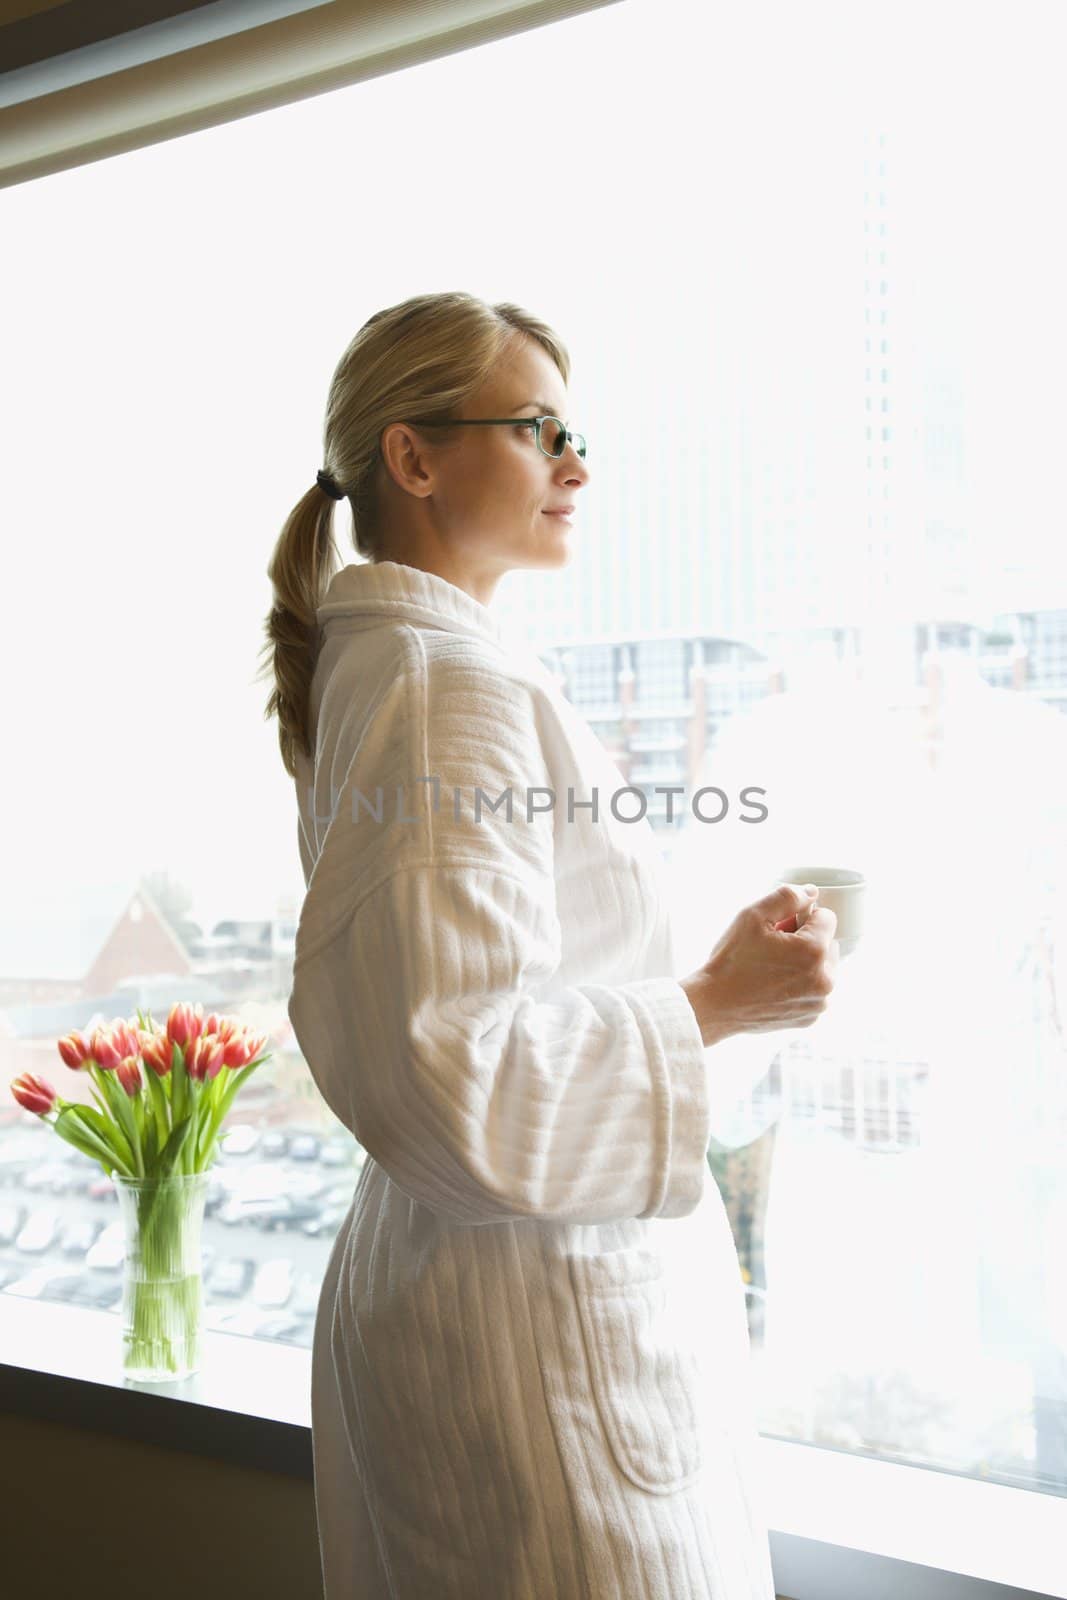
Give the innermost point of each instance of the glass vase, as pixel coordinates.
(162, 1293)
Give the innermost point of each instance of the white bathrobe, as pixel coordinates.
(531, 1372)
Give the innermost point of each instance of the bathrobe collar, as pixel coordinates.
(384, 590)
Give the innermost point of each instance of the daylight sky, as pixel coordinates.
(172, 317)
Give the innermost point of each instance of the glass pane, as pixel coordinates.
(822, 562)
(551, 436)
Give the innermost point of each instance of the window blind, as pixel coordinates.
(79, 83)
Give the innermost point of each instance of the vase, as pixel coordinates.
(162, 1293)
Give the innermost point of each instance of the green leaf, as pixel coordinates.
(96, 1120)
(71, 1127)
(150, 1145)
(238, 1076)
(179, 1084)
(119, 1102)
(112, 1130)
(160, 1104)
(174, 1145)
(214, 1121)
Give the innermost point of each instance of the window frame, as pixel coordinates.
(841, 1525)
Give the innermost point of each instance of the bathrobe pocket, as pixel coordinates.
(643, 1373)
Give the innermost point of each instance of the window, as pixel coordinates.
(901, 1227)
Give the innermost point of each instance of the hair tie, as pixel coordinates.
(326, 483)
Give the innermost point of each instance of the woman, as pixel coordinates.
(530, 1364)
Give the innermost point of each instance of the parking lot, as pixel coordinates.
(275, 1200)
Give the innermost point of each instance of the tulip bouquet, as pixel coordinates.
(161, 1097)
(161, 1093)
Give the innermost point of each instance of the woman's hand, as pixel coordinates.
(774, 967)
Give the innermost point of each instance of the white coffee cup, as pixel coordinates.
(841, 891)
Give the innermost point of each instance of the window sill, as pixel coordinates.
(840, 1525)
(250, 1404)
(843, 1525)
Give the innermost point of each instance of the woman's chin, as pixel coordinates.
(557, 554)
(558, 536)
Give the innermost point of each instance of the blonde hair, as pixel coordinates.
(413, 362)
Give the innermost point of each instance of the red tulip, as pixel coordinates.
(128, 1072)
(74, 1048)
(190, 1053)
(104, 1049)
(192, 1058)
(185, 1023)
(33, 1093)
(238, 1049)
(229, 1028)
(210, 1055)
(158, 1054)
(125, 1037)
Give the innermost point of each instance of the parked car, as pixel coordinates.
(236, 1319)
(266, 1178)
(74, 1179)
(328, 1220)
(339, 1152)
(249, 1181)
(274, 1143)
(305, 1301)
(305, 1185)
(229, 1276)
(9, 1271)
(50, 1175)
(34, 1285)
(83, 1289)
(109, 1251)
(77, 1237)
(267, 1211)
(96, 1291)
(305, 1147)
(214, 1195)
(38, 1232)
(238, 1210)
(287, 1211)
(17, 1151)
(239, 1140)
(290, 1330)
(274, 1283)
(12, 1218)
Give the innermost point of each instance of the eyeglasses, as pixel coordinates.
(550, 432)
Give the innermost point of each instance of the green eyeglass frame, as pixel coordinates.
(577, 439)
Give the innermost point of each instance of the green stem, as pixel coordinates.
(162, 1287)
(118, 1103)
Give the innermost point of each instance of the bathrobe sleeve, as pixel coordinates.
(430, 1011)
